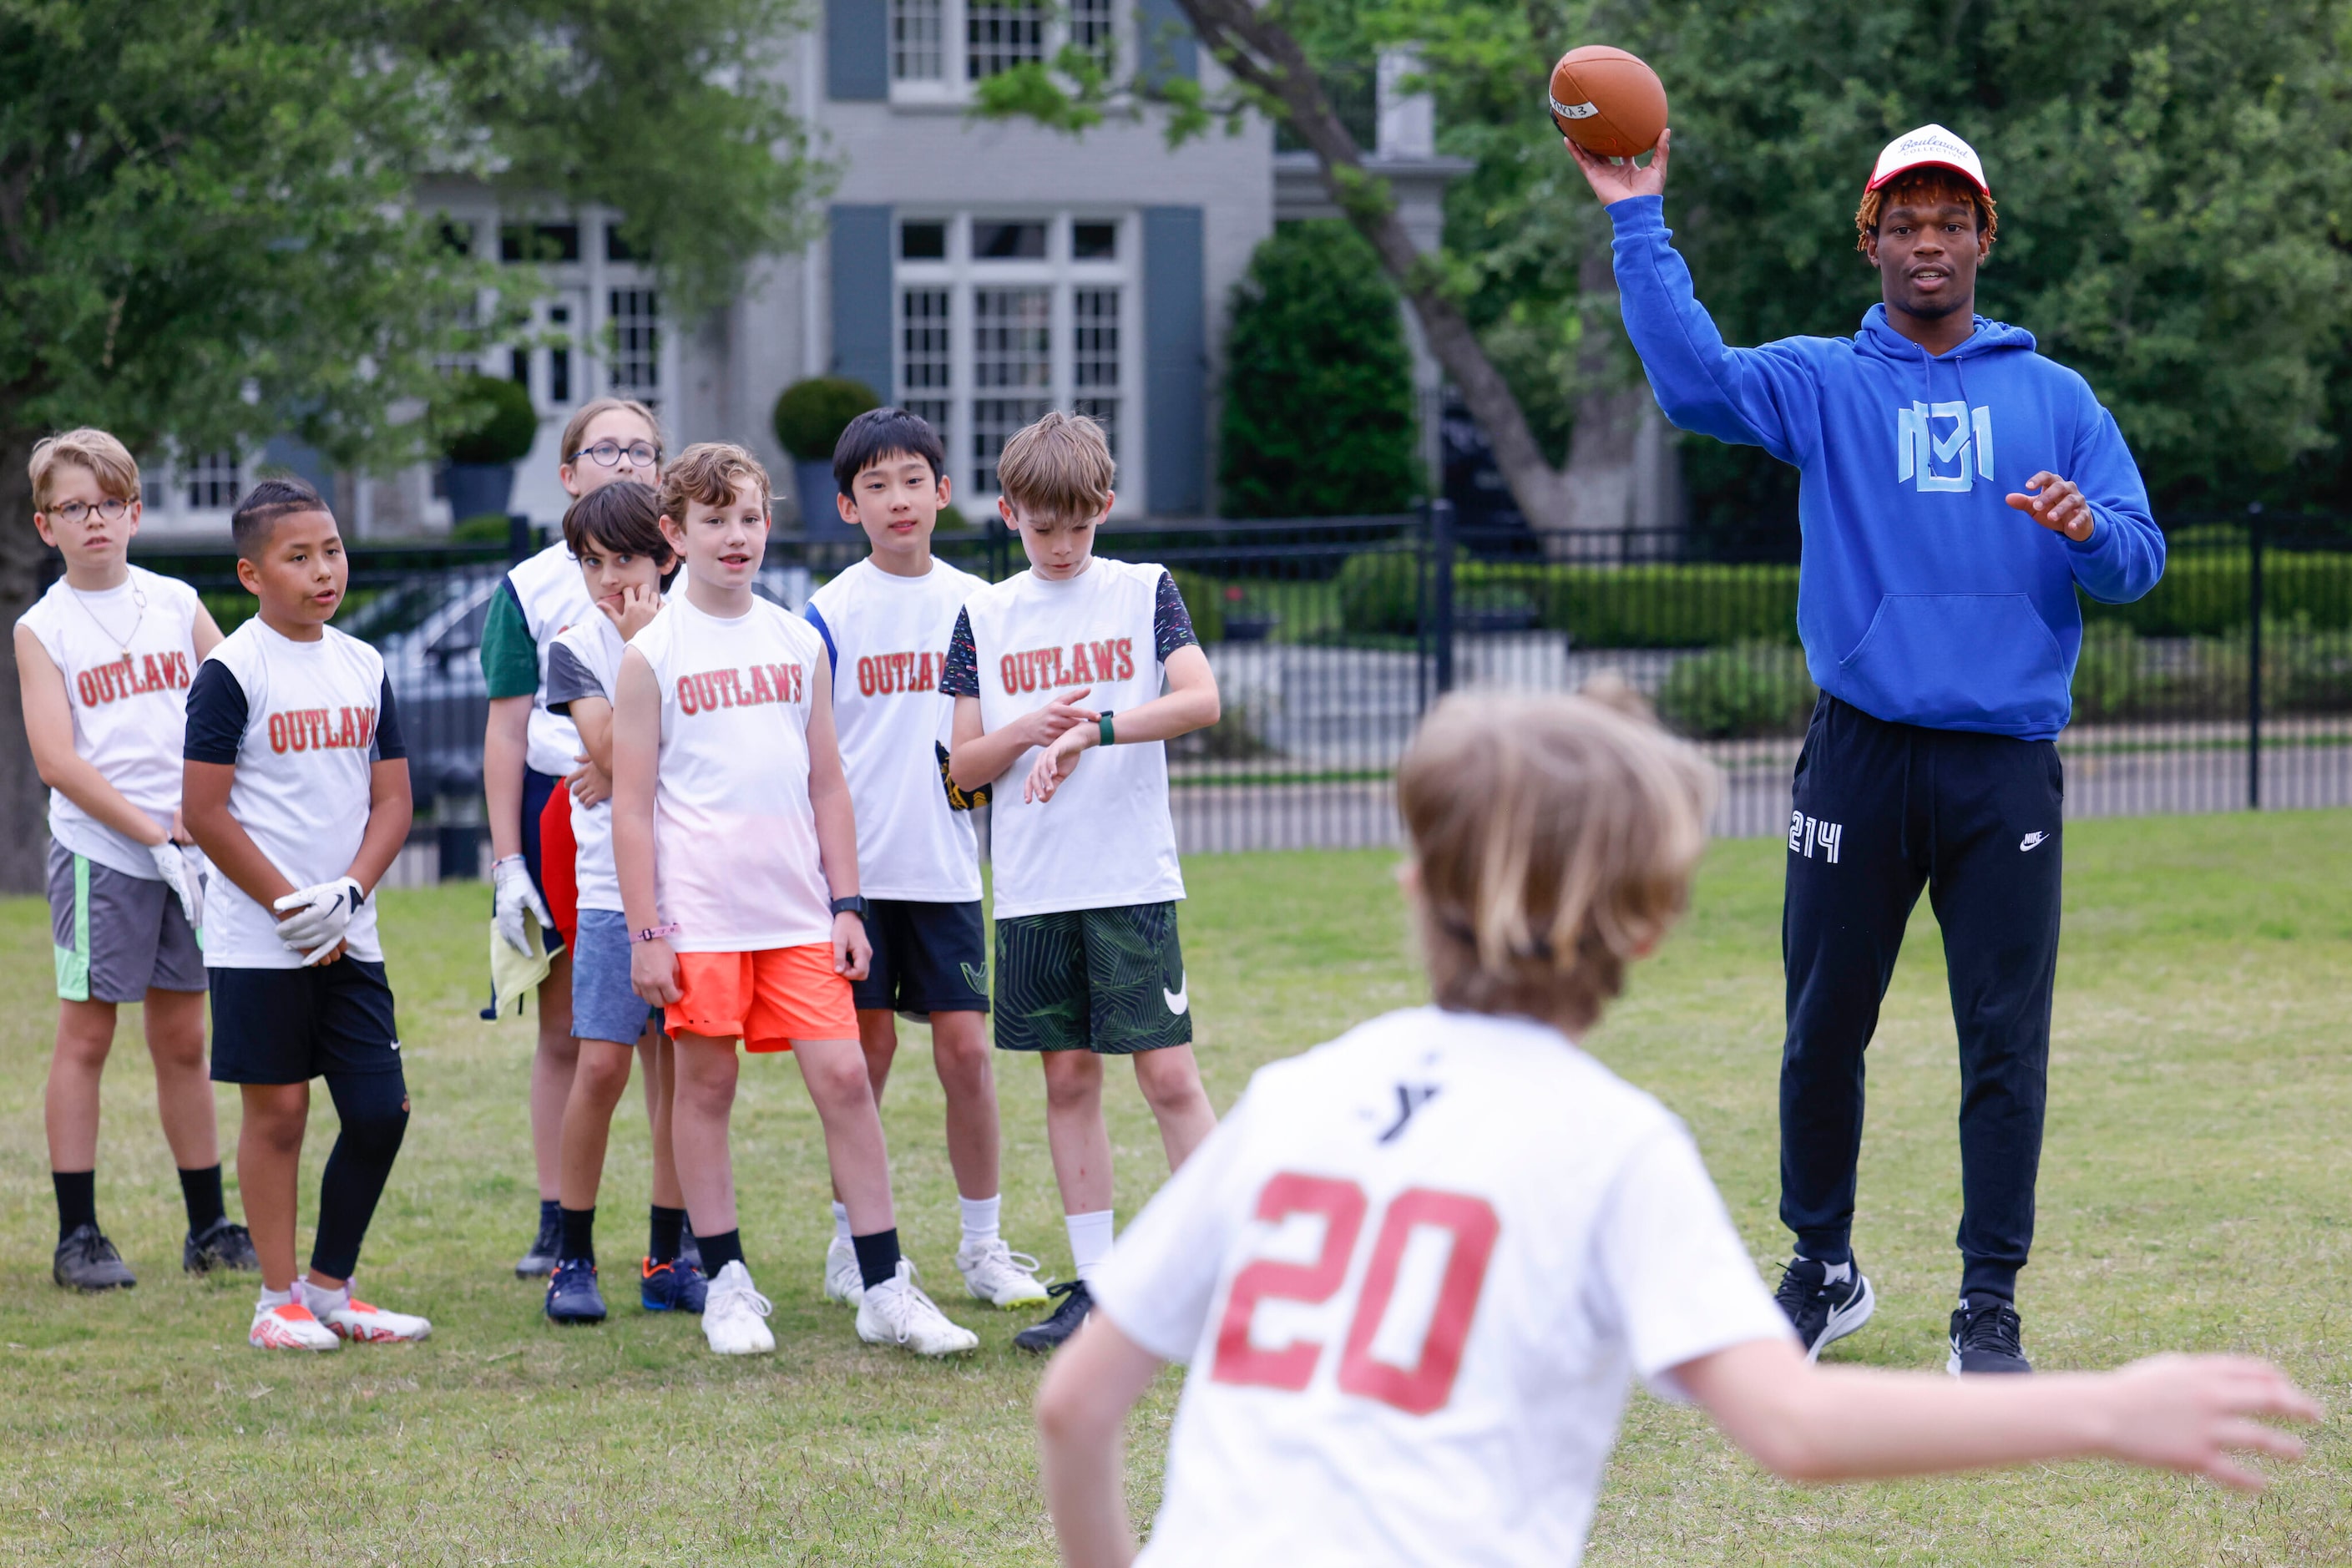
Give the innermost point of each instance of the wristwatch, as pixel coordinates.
(853, 905)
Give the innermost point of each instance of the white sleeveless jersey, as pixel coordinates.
(1106, 838)
(304, 723)
(553, 595)
(128, 655)
(889, 637)
(585, 661)
(1414, 1272)
(735, 853)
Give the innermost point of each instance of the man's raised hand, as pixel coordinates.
(2056, 505)
(1615, 182)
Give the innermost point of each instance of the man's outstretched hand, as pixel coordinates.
(1615, 182)
(2056, 505)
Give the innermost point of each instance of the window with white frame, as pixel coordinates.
(1000, 318)
(636, 346)
(212, 481)
(939, 48)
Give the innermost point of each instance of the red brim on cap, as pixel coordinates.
(1893, 174)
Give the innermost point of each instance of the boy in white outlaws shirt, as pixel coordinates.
(297, 788)
(1414, 1270)
(885, 623)
(1044, 667)
(104, 660)
(736, 851)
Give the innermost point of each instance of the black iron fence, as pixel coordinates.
(2228, 687)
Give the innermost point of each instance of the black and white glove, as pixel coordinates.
(511, 895)
(311, 921)
(181, 878)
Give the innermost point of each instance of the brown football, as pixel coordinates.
(1607, 102)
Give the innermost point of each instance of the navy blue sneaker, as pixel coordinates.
(572, 1293)
(674, 1287)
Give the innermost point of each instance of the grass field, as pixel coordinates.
(2197, 1191)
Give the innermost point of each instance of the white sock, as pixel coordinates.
(273, 1299)
(321, 1303)
(1090, 1238)
(841, 1223)
(979, 1218)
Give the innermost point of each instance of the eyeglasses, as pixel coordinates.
(641, 454)
(72, 514)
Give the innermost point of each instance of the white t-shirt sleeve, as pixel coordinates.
(1670, 1268)
(1159, 1279)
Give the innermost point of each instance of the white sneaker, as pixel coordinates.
(843, 1281)
(900, 1313)
(355, 1319)
(999, 1275)
(732, 1314)
(289, 1327)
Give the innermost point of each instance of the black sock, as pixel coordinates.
(550, 1215)
(666, 1234)
(201, 1191)
(877, 1256)
(578, 1235)
(77, 1200)
(718, 1251)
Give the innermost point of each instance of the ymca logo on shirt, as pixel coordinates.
(1044, 668)
(322, 730)
(763, 683)
(1937, 444)
(122, 677)
(887, 674)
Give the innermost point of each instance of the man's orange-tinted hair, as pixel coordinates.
(1915, 187)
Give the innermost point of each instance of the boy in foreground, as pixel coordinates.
(1416, 1270)
(297, 789)
(614, 534)
(1046, 668)
(885, 623)
(737, 855)
(104, 660)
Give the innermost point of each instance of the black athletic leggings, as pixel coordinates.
(374, 1112)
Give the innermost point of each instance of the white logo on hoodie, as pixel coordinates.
(1920, 447)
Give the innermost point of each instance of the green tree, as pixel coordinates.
(1319, 416)
(210, 230)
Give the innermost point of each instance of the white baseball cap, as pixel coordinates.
(1929, 146)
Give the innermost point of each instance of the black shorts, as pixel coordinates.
(290, 1026)
(1109, 980)
(538, 788)
(928, 958)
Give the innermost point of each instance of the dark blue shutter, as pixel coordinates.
(857, 49)
(861, 296)
(1169, 45)
(1175, 362)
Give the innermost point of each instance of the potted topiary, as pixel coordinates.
(500, 430)
(810, 417)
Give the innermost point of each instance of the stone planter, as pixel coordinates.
(478, 490)
(813, 492)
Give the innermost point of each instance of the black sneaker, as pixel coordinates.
(540, 1261)
(1048, 1335)
(1985, 1338)
(572, 1293)
(86, 1260)
(1821, 1310)
(222, 1246)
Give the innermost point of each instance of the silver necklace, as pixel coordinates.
(138, 598)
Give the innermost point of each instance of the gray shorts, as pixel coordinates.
(117, 937)
(603, 1006)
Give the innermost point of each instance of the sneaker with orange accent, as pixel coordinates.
(355, 1319)
(289, 1327)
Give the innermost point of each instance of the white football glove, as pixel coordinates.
(514, 894)
(181, 879)
(311, 921)
(200, 875)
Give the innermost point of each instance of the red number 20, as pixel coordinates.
(1472, 1224)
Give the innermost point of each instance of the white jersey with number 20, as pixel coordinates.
(1413, 1274)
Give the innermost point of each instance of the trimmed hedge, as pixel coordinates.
(2205, 595)
(1653, 605)
(1749, 689)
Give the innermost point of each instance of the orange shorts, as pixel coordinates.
(766, 999)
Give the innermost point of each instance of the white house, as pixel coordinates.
(977, 271)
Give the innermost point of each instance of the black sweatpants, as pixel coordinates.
(1881, 810)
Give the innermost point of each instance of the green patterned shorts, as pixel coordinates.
(1107, 980)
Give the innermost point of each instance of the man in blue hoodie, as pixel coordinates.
(1939, 618)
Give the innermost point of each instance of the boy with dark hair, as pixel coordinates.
(885, 623)
(1942, 627)
(297, 788)
(1044, 667)
(104, 660)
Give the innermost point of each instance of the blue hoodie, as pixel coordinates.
(1923, 597)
